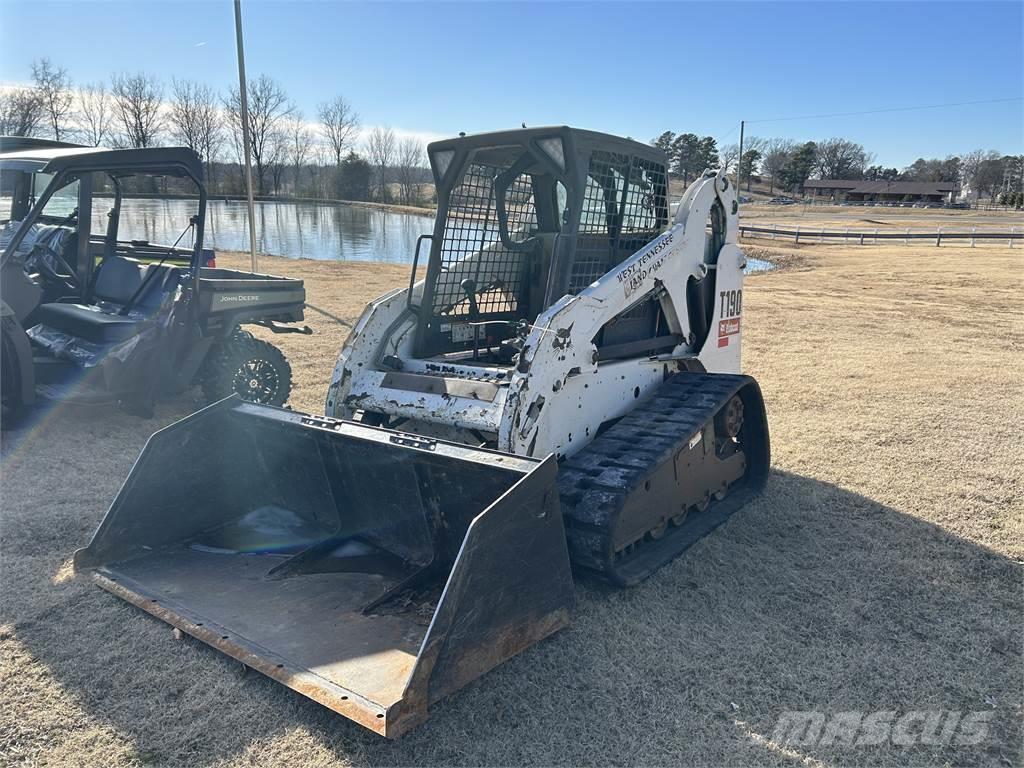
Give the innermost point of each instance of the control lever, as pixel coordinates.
(468, 287)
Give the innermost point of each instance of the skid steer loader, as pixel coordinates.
(561, 390)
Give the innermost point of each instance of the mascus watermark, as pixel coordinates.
(937, 727)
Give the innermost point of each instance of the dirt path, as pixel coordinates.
(881, 570)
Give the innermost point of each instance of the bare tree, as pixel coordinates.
(54, 88)
(278, 159)
(21, 112)
(381, 148)
(838, 158)
(195, 120)
(728, 155)
(269, 109)
(137, 105)
(974, 166)
(409, 161)
(300, 147)
(95, 114)
(776, 155)
(320, 156)
(983, 171)
(340, 125)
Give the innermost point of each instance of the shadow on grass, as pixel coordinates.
(811, 598)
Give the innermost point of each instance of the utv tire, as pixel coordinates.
(12, 410)
(254, 369)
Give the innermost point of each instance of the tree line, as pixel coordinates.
(329, 156)
(786, 164)
(332, 156)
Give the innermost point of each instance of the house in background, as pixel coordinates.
(860, 191)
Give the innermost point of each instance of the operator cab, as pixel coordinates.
(524, 218)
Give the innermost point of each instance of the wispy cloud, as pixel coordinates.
(200, 44)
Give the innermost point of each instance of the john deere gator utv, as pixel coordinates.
(563, 386)
(93, 311)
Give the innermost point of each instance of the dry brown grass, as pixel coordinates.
(884, 219)
(881, 569)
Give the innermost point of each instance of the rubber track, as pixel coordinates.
(595, 483)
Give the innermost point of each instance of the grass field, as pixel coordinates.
(884, 219)
(880, 570)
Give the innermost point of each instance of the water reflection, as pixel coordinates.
(298, 230)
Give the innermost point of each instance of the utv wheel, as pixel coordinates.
(249, 367)
(12, 409)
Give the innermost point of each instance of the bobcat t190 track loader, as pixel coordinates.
(564, 313)
(563, 386)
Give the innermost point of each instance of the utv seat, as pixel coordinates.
(116, 283)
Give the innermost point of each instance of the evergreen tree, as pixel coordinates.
(353, 179)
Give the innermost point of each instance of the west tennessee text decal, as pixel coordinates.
(634, 276)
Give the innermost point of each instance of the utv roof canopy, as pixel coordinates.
(167, 161)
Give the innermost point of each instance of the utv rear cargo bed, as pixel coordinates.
(232, 291)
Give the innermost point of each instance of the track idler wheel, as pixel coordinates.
(730, 419)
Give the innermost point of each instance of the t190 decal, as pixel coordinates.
(731, 304)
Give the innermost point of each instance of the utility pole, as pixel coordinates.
(244, 117)
(739, 161)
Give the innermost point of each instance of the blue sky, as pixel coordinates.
(628, 68)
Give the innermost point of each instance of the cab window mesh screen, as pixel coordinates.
(646, 200)
(472, 248)
(598, 218)
(624, 208)
(522, 214)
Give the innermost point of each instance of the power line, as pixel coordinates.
(889, 109)
(729, 134)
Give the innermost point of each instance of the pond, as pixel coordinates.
(296, 230)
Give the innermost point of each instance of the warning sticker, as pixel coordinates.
(462, 332)
(727, 328)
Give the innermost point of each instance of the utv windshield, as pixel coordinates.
(21, 188)
(76, 220)
(21, 183)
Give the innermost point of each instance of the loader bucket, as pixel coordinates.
(370, 570)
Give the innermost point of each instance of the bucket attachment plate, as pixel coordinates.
(371, 571)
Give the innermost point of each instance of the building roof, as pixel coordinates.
(861, 187)
(832, 183)
(904, 187)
